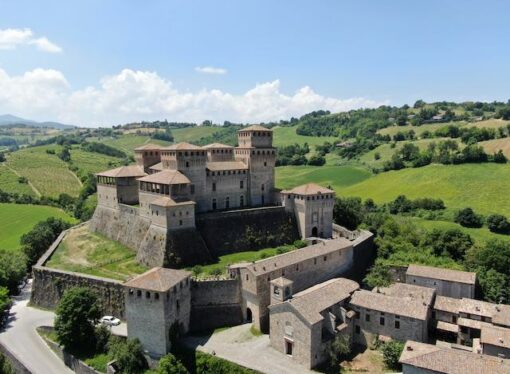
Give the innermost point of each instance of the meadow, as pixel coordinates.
(192, 134)
(337, 177)
(16, 220)
(483, 187)
(9, 182)
(284, 136)
(49, 175)
(494, 145)
(127, 143)
(92, 162)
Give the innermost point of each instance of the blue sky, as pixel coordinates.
(278, 58)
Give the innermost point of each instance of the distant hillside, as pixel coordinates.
(9, 120)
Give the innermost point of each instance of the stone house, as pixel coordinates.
(451, 283)
(401, 312)
(157, 307)
(495, 341)
(303, 325)
(420, 358)
(305, 267)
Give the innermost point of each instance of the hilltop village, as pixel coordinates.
(183, 204)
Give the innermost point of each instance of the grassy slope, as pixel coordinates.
(337, 177)
(494, 145)
(127, 143)
(49, 175)
(89, 253)
(16, 220)
(490, 123)
(484, 187)
(192, 134)
(284, 136)
(91, 162)
(9, 182)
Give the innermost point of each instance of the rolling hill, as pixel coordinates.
(8, 119)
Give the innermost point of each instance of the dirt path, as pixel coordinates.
(78, 179)
(36, 191)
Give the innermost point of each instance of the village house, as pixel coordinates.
(451, 283)
(303, 325)
(420, 358)
(400, 311)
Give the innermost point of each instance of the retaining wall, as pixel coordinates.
(15, 362)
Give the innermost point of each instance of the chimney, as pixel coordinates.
(409, 348)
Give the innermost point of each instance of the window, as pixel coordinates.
(156, 296)
(246, 276)
(276, 291)
(214, 204)
(358, 330)
(397, 324)
(356, 316)
(138, 293)
(262, 187)
(187, 164)
(192, 188)
(241, 201)
(241, 184)
(367, 317)
(381, 321)
(148, 295)
(214, 186)
(180, 222)
(227, 202)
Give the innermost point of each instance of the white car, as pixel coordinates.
(110, 321)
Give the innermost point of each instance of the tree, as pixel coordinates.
(13, 269)
(348, 212)
(494, 285)
(76, 315)
(39, 239)
(5, 366)
(498, 223)
(494, 255)
(468, 218)
(409, 152)
(453, 243)
(339, 347)
(499, 157)
(5, 302)
(2, 157)
(378, 276)
(128, 355)
(65, 155)
(391, 354)
(169, 364)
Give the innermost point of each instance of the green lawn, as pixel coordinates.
(480, 236)
(193, 134)
(483, 187)
(89, 253)
(337, 177)
(9, 182)
(48, 174)
(17, 219)
(235, 258)
(283, 136)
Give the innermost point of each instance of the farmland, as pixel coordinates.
(9, 182)
(283, 136)
(16, 220)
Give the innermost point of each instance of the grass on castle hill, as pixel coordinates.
(90, 253)
(18, 219)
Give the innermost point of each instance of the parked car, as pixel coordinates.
(110, 321)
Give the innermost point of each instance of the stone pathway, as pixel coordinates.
(238, 345)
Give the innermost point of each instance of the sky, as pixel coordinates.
(107, 62)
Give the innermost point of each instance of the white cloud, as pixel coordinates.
(12, 38)
(142, 95)
(211, 70)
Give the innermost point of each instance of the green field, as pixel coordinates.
(483, 187)
(193, 134)
(47, 173)
(127, 143)
(9, 182)
(337, 177)
(92, 162)
(89, 253)
(480, 236)
(16, 220)
(283, 136)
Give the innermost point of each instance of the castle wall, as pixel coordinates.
(107, 195)
(227, 187)
(247, 229)
(215, 303)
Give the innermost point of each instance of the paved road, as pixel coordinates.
(237, 344)
(22, 339)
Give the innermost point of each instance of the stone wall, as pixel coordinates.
(247, 229)
(14, 361)
(215, 303)
(364, 254)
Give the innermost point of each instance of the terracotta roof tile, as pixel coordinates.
(226, 165)
(498, 336)
(124, 172)
(158, 279)
(255, 128)
(217, 146)
(166, 177)
(183, 146)
(167, 201)
(442, 274)
(148, 147)
(309, 189)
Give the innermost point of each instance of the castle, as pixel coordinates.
(170, 189)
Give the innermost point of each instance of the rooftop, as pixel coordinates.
(124, 172)
(447, 304)
(226, 165)
(167, 201)
(309, 189)
(183, 146)
(256, 128)
(413, 304)
(166, 177)
(425, 294)
(281, 282)
(217, 146)
(314, 300)
(148, 147)
(498, 336)
(158, 279)
(158, 166)
(442, 274)
(450, 361)
(268, 265)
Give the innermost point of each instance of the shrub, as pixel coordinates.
(22, 180)
(169, 364)
(377, 156)
(5, 366)
(128, 355)
(196, 270)
(340, 347)
(468, 218)
(378, 276)
(498, 223)
(5, 301)
(391, 353)
(75, 318)
(452, 243)
(216, 272)
(102, 334)
(347, 212)
(207, 364)
(13, 269)
(300, 243)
